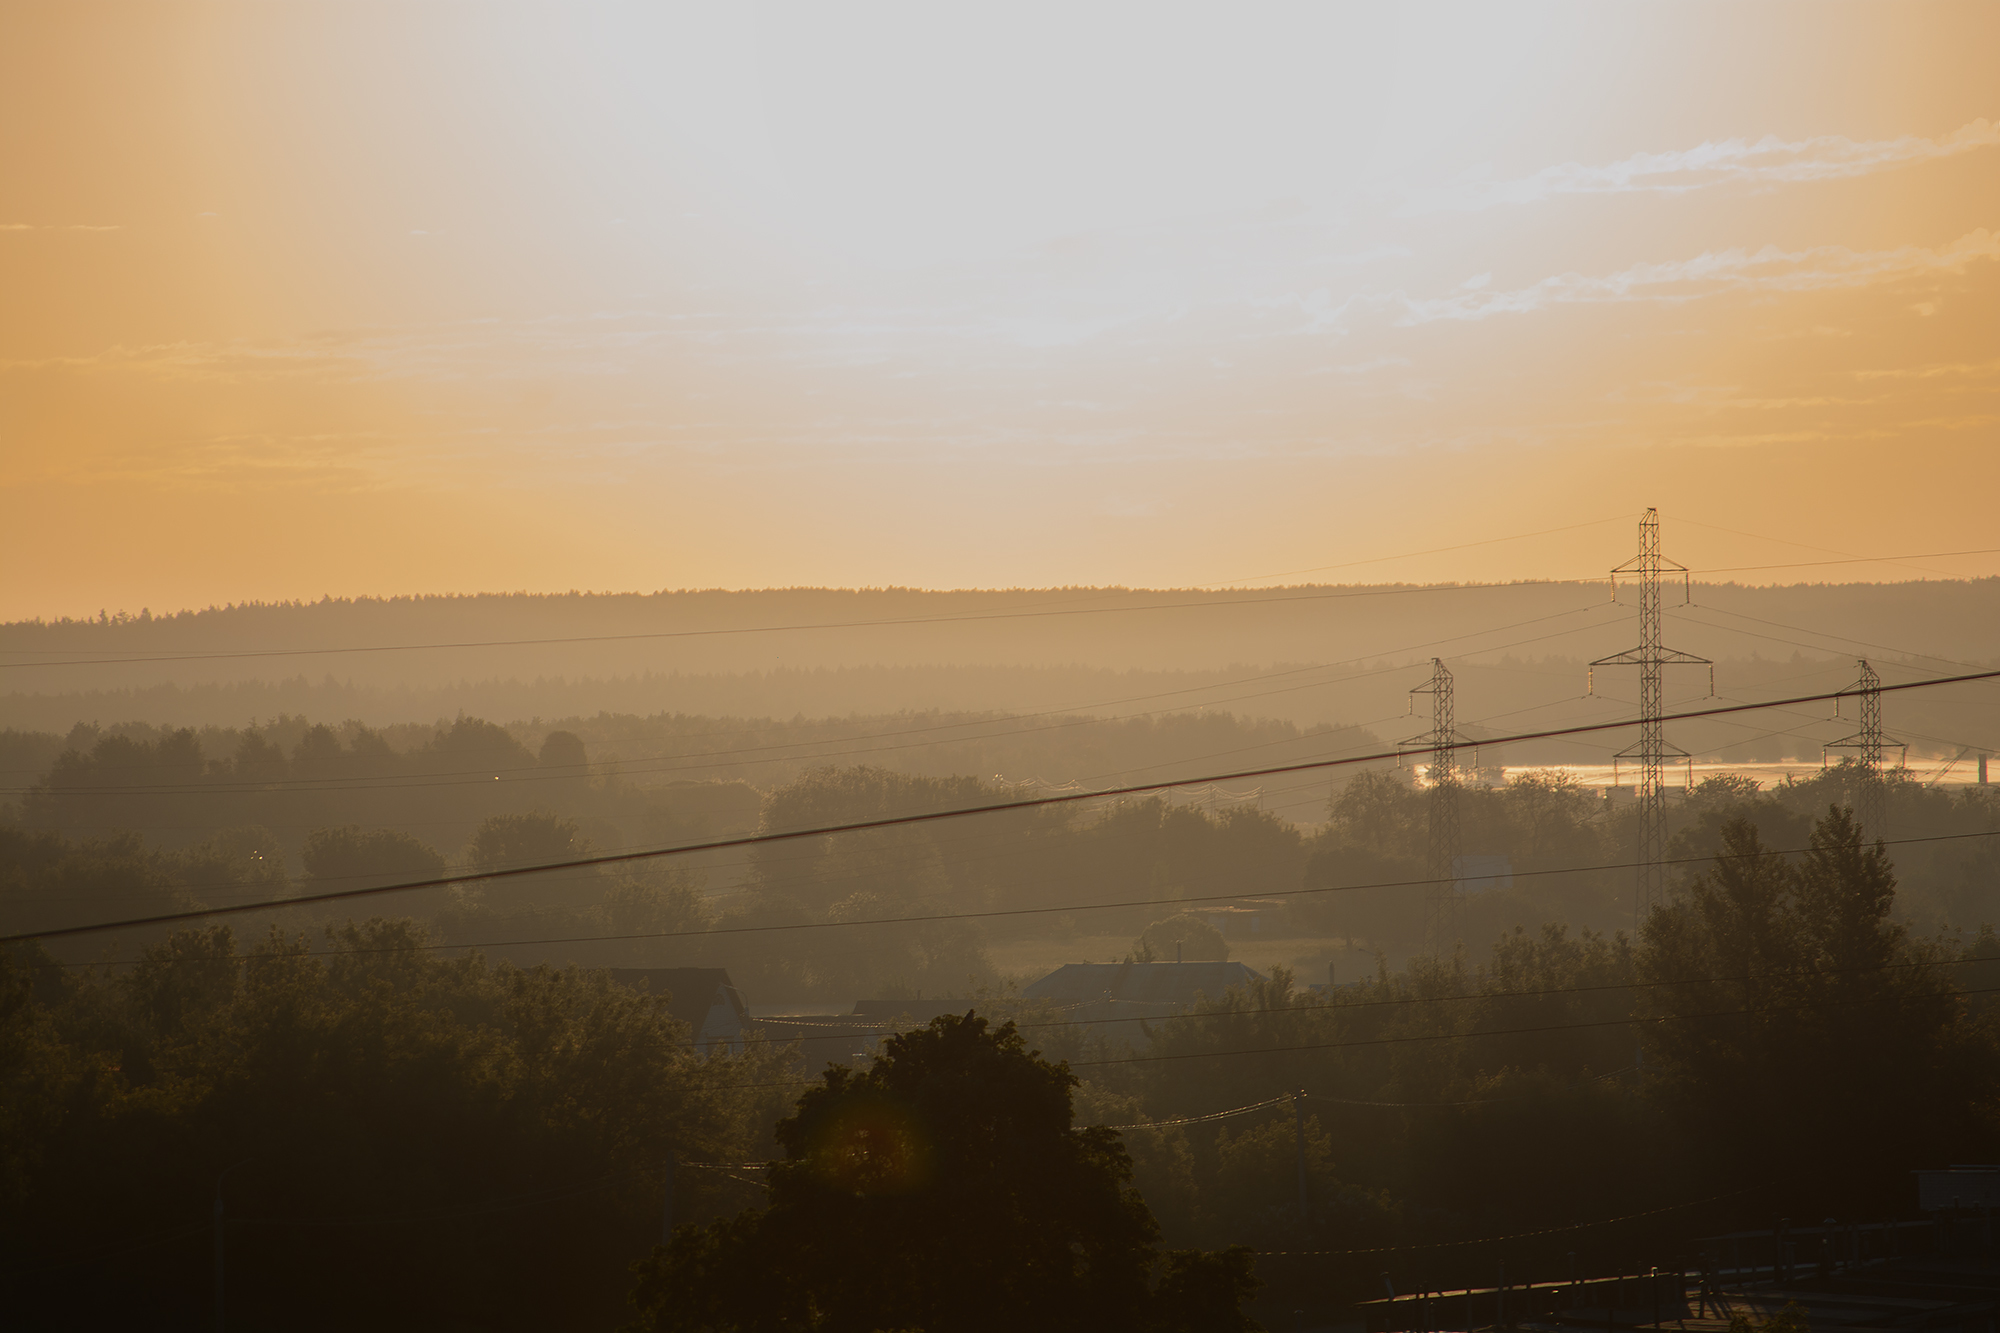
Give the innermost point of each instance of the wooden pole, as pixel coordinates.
(1299, 1119)
(667, 1208)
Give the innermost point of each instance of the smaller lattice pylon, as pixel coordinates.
(1868, 744)
(1443, 740)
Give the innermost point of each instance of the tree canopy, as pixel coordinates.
(942, 1188)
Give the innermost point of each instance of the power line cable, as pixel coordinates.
(1783, 541)
(1409, 555)
(898, 821)
(1064, 908)
(1681, 614)
(1199, 1119)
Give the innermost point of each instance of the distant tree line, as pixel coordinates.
(133, 826)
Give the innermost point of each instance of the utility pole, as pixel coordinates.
(1868, 743)
(1652, 750)
(667, 1208)
(1441, 909)
(1299, 1117)
(221, 1307)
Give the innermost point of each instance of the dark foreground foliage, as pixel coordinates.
(405, 1138)
(944, 1188)
(397, 1138)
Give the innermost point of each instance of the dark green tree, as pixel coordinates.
(942, 1189)
(1798, 1025)
(351, 856)
(1182, 937)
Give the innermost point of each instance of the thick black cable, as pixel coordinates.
(1061, 908)
(898, 821)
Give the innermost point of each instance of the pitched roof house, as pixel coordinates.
(1136, 990)
(700, 997)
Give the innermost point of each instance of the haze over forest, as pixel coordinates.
(632, 649)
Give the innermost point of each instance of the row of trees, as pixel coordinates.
(1051, 872)
(1776, 1042)
(627, 778)
(395, 1136)
(1570, 852)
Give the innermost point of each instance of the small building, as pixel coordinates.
(1958, 1187)
(1136, 990)
(906, 1014)
(700, 997)
(823, 1039)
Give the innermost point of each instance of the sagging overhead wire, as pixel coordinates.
(929, 817)
(1057, 909)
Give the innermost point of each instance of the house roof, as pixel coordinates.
(915, 1011)
(1144, 983)
(691, 991)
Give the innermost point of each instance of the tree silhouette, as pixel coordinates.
(1802, 1025)
(943, 1188)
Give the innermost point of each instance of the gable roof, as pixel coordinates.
(692, 991)
(1143, 983)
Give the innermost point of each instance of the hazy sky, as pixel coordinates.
(349, 298)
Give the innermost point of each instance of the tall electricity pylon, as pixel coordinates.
(1868, 744)
(1652, 750)
(1441, 907)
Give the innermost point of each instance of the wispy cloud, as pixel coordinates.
(1767, 161)
(71, 226)
(1768, 269)
(1952, 370)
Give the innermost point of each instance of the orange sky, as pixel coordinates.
(358, 298)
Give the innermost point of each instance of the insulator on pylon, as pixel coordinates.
(1652, 750)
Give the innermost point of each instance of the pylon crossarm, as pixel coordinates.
(1657, 657)
(1665, 749)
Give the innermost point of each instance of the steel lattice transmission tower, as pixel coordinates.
(1868, 743)
(1651, 751)
(1441, 907)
